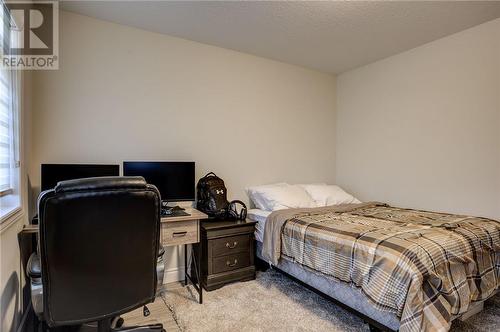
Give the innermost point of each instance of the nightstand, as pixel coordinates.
(227, 253)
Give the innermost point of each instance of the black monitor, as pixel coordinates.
(174, 179)
(53, 173)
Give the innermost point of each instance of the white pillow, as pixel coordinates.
(329, 195)
(255, 194)
(280, 196)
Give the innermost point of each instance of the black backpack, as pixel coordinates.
(212, 199)
(212, 196)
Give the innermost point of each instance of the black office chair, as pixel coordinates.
(98, 249)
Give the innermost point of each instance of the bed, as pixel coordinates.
(401, 269)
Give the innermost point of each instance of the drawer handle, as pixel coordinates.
(228, 245)
(179, 234)
(228, 263)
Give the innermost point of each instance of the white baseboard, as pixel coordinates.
(174, 275)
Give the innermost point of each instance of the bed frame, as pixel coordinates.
(374, 325)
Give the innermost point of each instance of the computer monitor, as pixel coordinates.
(53, 173)
(174, 179)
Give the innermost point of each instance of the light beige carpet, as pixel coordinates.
(273, 302)
(270, 303)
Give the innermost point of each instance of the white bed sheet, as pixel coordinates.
(260, 216)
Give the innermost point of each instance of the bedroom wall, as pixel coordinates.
(422, 129)
(127, 94)
(10, 276)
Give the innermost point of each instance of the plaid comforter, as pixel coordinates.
(425, 267)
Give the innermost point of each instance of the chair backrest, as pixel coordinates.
(98, 245)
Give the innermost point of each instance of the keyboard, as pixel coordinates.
(173, 213)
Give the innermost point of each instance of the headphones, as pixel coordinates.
(232, 210)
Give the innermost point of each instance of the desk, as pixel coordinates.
(174, 231)
(184, 230)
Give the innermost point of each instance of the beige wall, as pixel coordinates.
(422, 128)
(124, 93)
(10, 295)
(127, 94)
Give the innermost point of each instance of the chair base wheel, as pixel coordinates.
(117, 322)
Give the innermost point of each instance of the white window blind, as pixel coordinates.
(9, 125)
(7, 132)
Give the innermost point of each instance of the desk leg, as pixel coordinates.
(198, 270)
(196, 262)
(185, 265)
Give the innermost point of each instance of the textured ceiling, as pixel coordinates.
(328, 36)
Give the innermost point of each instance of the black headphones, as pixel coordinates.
(232, 210)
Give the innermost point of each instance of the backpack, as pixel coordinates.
(212, 196)
(212, 199)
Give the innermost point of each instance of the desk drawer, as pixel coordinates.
(230, 245)
(179, 232)
(231, 262)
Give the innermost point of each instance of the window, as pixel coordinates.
(9, 129)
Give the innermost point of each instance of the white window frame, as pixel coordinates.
(12, 198)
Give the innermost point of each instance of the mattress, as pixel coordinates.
(260, 216)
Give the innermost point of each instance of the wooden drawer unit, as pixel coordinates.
(180, 232)
(230, 245)
(227, 252)
(230, 262)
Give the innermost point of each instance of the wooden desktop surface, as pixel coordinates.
(194, 215)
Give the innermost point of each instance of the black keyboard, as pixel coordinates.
(173, 213)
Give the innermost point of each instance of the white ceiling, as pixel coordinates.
(328, 36)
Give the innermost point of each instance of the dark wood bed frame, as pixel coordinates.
(373, 324)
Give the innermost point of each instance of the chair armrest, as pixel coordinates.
(33, 269)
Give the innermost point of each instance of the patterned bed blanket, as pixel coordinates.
(425, 267)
